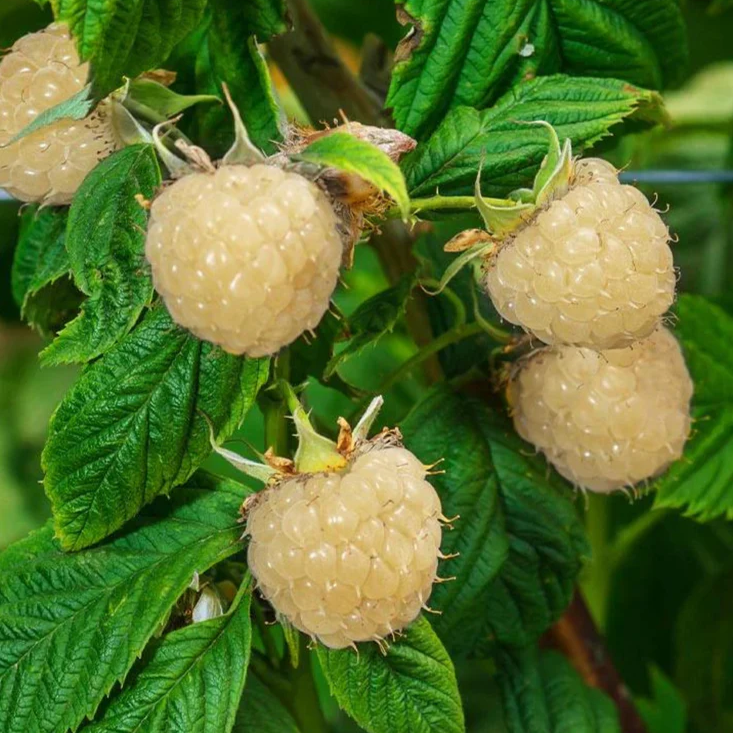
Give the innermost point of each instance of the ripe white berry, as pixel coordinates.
(348, 556)
(40, 71)
(592, 269)
(246, 257)
(606, 420)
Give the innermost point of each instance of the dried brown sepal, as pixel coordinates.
(392, 142)
(161, 76)
(282, 465)
(344, 442)
(467, 239)
(198, 157)
(144, 203)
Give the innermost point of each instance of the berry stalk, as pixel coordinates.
(577, 637)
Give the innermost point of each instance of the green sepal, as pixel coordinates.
(243, 150)
(483, 249)
(127, 128)
(501, 219)
(154, 102)
(253, 469)
(315, 452)
(505, 216)
(556, 168)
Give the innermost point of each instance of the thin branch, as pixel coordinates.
(317, 74)
(578, 638)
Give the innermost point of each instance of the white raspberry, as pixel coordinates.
(42, 70)
(246, 257)
(348, 556)
(592, 269)
(606, 420)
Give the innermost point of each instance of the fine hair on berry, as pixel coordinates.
(606, 420)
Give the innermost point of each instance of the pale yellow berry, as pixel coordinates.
(40, 71)
(592, 269)
(606, 419)
(246, 257)
(348, 556)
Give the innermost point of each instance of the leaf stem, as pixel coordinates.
(458, 307)
(270, 648)
(306, 705)
(440, 203)
(275, 409)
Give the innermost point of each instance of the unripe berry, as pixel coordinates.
(593, 268)
(606, 420)
(348, 556)
(48, 165)
(246, 257)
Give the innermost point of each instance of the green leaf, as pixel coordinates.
(469, 52)
(350, 154)
(705, 648)
(700, 482)
(40, 257)
(231, 56)
(506, 497)
(410, 689)
(373, 319)
(261, 711)
(40, 282)
(509, 153)
(72, 625)
(127, 38)
(105, 239)
(665, 711)
(193, 679)
(263, 18)
(542, 693)
(73, 108)
(443, 426)
(135, 425)
(146, 96)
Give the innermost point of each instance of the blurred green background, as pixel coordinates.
(660, 585)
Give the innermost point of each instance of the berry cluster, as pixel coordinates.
(590, 273)
(49, 164)
(352, 555)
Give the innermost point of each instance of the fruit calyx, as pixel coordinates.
(315, 453)
(552, 179)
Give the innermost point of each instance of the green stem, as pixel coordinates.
(306, 706)
(267, 640)
(624, 541)
(441, 203)
(458, 333)
(451, 296)
(275, 410)
(596, 578)
(498, 334)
